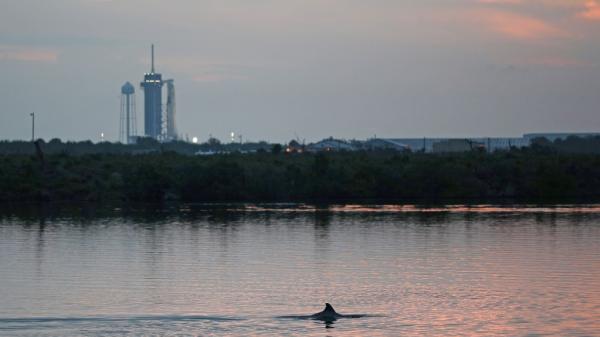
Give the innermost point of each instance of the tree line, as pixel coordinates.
(535, 173)
(143, 145)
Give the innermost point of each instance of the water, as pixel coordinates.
(233, 269)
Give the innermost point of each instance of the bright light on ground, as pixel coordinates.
(195, 140)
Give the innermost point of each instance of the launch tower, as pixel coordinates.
(152, 86)
(171, 131)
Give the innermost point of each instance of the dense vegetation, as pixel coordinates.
(144, 145)
(536, 173)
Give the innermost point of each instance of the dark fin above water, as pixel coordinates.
(328, 315)
(329, 309)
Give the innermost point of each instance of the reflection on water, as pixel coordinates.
(233, 269)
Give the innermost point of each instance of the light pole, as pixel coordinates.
(32, 126)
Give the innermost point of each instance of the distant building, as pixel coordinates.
(429, 145)
(152, 86)
(331, 144)
(385, 144)
(414, 144)
(503, 144)
(456, 145)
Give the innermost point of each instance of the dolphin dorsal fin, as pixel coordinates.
(329, 308)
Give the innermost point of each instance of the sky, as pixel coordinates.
(278, 70)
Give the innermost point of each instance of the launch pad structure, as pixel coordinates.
(159, 123)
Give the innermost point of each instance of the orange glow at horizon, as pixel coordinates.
(592, 10)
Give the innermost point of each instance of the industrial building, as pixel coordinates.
(439, 145)
(158, 123)
(331, 144)
(457, 145)
(453, 144)
(152, 86)
(383, 144)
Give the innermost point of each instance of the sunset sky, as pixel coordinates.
(280, 69)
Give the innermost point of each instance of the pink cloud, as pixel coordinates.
(592, 10)
(517, 26)
(586, 9)
(22, 54)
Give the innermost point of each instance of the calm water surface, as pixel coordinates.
(232, 269)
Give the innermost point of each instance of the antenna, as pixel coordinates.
(32, 126)
(152, 59)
